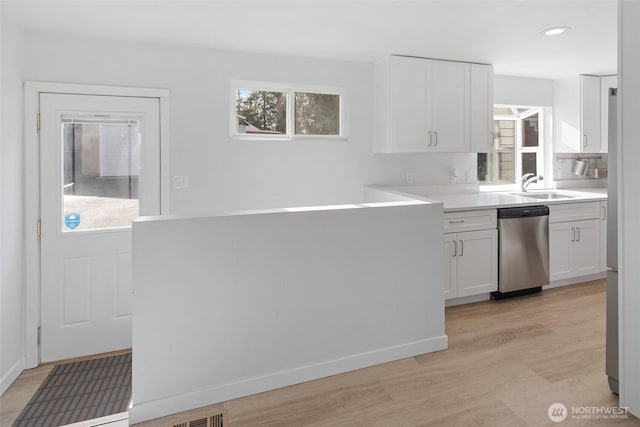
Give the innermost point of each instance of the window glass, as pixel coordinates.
(517, 146)
(530, 131)
(101, 169)
(317, 114)
(529, 163)
(261, 112)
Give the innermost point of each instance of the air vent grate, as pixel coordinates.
(212, 420)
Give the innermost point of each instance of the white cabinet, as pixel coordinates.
(603, 236)
(471, 257)
(448, 101)
(590, 122)
(424, 105)
(574, 249)
(481, 108)
(451, 265)
(408, 106)
(574, 240)
(606, 83)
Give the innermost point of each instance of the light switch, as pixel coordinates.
(180, 181)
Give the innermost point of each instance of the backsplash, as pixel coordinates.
(565, 165)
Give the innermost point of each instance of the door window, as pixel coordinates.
(101, 159)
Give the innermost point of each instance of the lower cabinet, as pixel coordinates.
(574, 249)
(471, 263)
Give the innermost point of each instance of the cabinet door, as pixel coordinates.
(450, 265)
(590, 114)
(477, 262)
(481, 108)
(449, 92)
(603, 236)
(586, 257)
(409, 104)
(606, 83)
(561, 237)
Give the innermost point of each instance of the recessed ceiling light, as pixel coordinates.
(554, 31)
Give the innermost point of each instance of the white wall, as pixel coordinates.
(260, 301)
(511, 90)
(11, 208)
(629, 203)
(241, 175)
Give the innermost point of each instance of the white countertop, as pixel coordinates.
(490, 200)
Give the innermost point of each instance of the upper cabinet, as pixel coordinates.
(590, 114)
(606, 83)
(424, 105)
(481, 108)
(581, 113)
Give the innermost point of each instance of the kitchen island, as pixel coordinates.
(232, 304)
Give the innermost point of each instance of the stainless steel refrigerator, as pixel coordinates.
(612, 245)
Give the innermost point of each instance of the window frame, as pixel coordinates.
(289, 90)
(520, 149)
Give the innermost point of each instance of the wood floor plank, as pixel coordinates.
(507, 362)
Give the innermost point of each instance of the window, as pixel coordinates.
(275, 111)
(518, 147)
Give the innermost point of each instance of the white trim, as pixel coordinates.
(143, 411)
(106, 420)
(12, 374)
(289, 90)
(575, 280)
(32, 91)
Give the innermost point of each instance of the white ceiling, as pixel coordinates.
(504, 33)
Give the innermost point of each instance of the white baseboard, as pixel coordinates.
(575, 280)
(144, 411)
(467, 300)
(10, 376)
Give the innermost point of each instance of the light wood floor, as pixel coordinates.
(507, 362)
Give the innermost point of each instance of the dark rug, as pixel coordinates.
(80, 391)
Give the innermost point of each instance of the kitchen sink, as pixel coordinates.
(544, 196)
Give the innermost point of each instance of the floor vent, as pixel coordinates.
(215, 420)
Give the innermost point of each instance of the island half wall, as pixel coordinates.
(231, 305)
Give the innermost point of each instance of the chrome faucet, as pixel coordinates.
(529, 178)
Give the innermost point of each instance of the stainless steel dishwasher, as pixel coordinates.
(523, 250)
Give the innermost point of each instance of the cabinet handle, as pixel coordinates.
(573, 234)
(461, 247)
(436, 135)
(456, 222)
(429, 138)
(577, 234)
(604, 213)
(455, 249)
(584, 144)
(490, 139)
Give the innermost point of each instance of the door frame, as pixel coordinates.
(32, 91)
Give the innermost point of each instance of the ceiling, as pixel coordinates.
(505, 33)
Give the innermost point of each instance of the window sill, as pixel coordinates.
(278, 138)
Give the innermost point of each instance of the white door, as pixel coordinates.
(590, 113)
(450, 246)
(451, 94)
(481, 108)
(561, 239)
(477, 262)
(587, 247)
(99, 169)
(409, 105)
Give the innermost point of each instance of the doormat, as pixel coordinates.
(80, 391)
